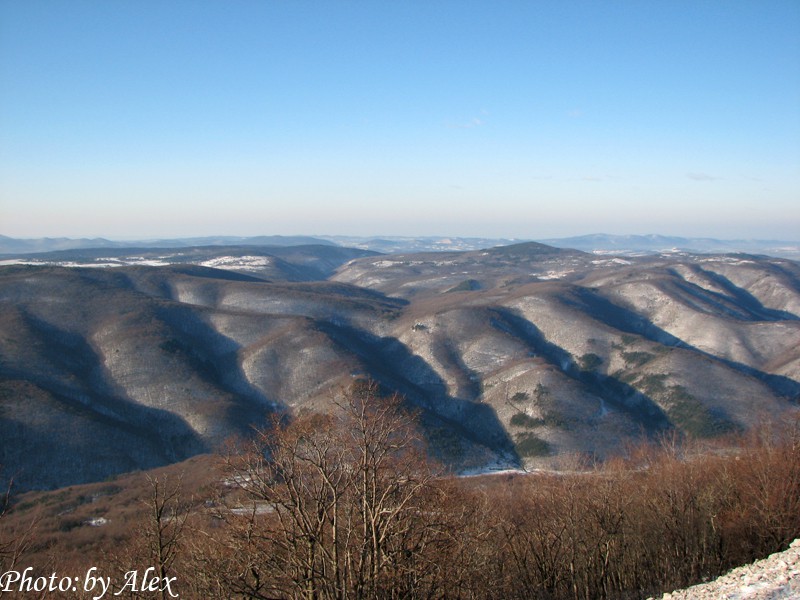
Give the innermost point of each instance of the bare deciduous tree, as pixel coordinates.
(156, 545)
(14, 542)
(164, 527)
(335, 501)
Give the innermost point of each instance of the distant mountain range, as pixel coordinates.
(397, 245)
(652, 244)
(630, 245)
(597, 243)
(313, 262)
(516, 356)
(10, 245)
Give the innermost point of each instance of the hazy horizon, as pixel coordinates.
(145, 120)
(327, 236)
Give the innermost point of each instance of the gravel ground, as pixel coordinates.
(774, 578)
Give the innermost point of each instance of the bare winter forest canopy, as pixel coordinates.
(347, 505)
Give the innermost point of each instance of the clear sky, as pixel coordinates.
(154, 118)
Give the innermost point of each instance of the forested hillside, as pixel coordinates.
(519, 356)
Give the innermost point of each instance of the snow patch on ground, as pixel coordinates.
(730, 260)
(613, 261)
(259, 508)
(252, 263)
(553, 274)
(99, 263)
(501, 465)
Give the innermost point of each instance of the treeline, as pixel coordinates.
(347, 506)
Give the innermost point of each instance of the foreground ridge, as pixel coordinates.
(776, 577)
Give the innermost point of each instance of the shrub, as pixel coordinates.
(468, 285)
(590, 361)
(637, 358)
(529, 445)
(521, 419)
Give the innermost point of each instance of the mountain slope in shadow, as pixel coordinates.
(544, 355)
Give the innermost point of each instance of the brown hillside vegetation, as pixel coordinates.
(344, 505)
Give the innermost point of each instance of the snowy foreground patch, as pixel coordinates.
(774, 578)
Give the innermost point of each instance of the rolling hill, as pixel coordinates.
(523, 355)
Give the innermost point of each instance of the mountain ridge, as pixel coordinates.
(519, 356)
(9, 245)
(596, 243)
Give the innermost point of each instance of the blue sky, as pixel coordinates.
(142, 119)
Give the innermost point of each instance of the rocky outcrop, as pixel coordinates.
(774, 578)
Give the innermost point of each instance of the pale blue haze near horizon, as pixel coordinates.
(145, 119)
